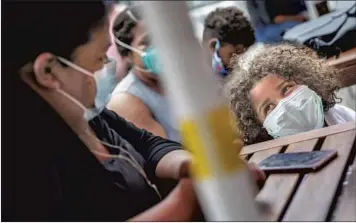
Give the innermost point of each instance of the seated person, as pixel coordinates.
(286, 90)
(226, 32)
(68, 158)
(272, 18)
(122, 66)
(139, 97)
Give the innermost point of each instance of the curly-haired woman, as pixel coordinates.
(285, 90)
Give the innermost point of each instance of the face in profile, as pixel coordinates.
(91, 56)
(226, 51)
(141, 41)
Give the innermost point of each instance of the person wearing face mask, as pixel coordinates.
(226, 32)
(285, 90)
(139, 97)
(68, 158)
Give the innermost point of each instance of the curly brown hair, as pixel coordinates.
(291, 62)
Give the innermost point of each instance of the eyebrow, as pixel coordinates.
(280, 85)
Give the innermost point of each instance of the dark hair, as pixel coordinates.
(229, 25)
(123, 25)
(57, 27)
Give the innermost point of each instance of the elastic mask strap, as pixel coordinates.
(140, 52)
(74, 66)
(129, 13)
(70, 97)
(142, 69)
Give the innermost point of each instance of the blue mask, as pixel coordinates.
(217, 63)
(150, 60)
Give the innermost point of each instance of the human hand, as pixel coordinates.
(258, 175)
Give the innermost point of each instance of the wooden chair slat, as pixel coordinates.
(278, 188)
(346, 205)
(316, 193)
(318, 133)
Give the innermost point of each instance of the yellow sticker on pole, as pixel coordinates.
(225, 138)
(193, 141)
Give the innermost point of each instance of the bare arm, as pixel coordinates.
(134, 110)
(174, 165)
(180, 205)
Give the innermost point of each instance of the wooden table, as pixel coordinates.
(346, 63)
(314, 196)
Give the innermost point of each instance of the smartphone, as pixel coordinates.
(299, 162)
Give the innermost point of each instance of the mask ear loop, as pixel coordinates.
(78, 68)
(142, 69)
(140, 52)
(129, 13)
(130, 160)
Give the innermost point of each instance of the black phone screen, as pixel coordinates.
(297, 161)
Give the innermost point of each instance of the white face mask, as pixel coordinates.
(105, 80)
(302, 111)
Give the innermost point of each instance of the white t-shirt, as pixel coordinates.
(339, 114)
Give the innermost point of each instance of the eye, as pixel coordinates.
(146, 41)
(286, 90)
(268, 109)
(104, 59)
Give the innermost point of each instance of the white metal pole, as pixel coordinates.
(224, 186)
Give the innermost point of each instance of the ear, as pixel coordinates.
(43, 68)
(212, 44)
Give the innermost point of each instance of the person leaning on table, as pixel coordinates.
(283, 90)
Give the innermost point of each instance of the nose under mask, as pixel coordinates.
(301, 111)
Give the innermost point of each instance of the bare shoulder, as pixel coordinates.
(128, 106)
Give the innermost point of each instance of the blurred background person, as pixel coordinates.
(286, 90)
(139, 97)
(122, 66)
(272, 18)
(226, 32)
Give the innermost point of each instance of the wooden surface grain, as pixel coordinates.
(316, 193)
(279, 188)
(346, 205)
(318, 133)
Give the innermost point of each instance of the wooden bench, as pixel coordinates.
(346, 63)
(313, 196)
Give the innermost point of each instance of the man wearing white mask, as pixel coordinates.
(285, 90)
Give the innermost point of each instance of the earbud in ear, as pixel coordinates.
(48, 70)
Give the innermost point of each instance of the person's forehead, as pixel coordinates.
(232, 48)
(264, 87)
(140, 30)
